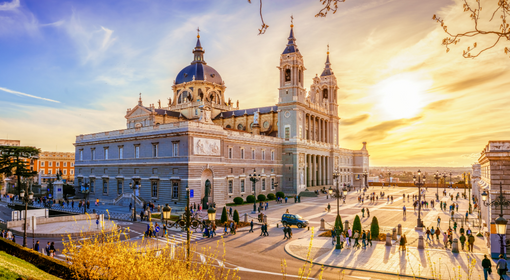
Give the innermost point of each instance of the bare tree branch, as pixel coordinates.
(264, 26)
(503, 10)
(329, 6)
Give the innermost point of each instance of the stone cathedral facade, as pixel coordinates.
(201, 140)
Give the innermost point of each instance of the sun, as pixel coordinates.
(401, 96)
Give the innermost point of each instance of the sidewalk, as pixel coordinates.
(74, 228)
(427, 263)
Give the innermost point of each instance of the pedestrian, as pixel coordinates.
(363, 212)
(462, 239)
(432, 232)
(284, 232)
(501, 267)
(146, 214)
(329, 208)
(230, 212)
(206, 232)
(251, 226)
(467, 214)
(356, 239)
(14, 238)
(438, 221)
(428, 234)
(364, 239)
(266, 233)
(369, 238)
(461, 230)
(289, 231)
(213, 230)
(487, 267)
(36, 246)
(267, 205)
(130, 206)
(347, 240)
(404, 211)
(52, 249)
(455, 227)
(225, 230)
(468, 232)
(47, 249)
(445, 240)
(368, 213)
(438, 232)
(403, 241)
(471, 242)
(285, 199)
(333, 236)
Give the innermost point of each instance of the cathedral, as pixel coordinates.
(202, 141)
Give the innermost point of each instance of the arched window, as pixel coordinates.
(240, 127)
(287, 75)
(325, 93)
(184, 97)
(228, 126)
(300, 75)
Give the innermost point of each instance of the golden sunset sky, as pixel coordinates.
(74, 67)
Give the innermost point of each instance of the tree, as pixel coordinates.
(68, 190)
(236, 216)
(374, 228)
(356, 226)
(338, 223)
(500, 12)
(15, 160)
(224, 217)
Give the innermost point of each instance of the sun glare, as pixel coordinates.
(401, 96)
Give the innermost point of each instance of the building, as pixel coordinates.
(202, 141)
(492, 172)
(5, 142)
(50, 163)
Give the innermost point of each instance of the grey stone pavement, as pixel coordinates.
(85, 226)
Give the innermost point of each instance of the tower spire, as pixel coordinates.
(291, 45)
(198, 51)
(327, 69)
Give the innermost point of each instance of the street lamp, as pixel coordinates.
(26, 199)
(437, 177)
(254, 178)
(501, 223)
(188, 224)
(469, 186)
(134, 187)
(444, 181)
(451, 185)
(85, 190)
(418, 182)
(167, 213)
(336, 174)
(389, 178)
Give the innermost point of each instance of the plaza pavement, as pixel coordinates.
(74, 228)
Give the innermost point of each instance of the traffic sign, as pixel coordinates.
(191, 193)
(156, 229)
(97, 222)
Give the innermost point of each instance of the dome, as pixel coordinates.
(201, 71)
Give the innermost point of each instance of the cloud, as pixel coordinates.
(472, 155)
(381, 131)
(355, 120)
(474, 81)
(27, 95)
(9, 6)
(439, 105)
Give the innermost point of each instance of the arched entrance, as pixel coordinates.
(207, 189)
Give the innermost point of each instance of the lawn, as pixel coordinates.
(13, 268)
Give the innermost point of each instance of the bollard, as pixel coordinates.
(346, 225)
(322, 225)
(421, 242)
(388, 239)
(455, 245)
(394, 236)
(399, 231)
(276, 225)
(308, 228)
(265, 219)
(245, 217)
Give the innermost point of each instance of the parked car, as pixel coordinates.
(294, 220)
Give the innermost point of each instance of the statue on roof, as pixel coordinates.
(169, 102)
(238, 104)
(159, 103)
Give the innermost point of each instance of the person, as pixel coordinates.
(462, 239)
(285, 199)
(329, 208)
(404, 211)
(14, 238)
(438, 221)
(289, 231)
(363, 212)
(266, 233)
(356, 239)
(455, 227)
(461, 230)
(487, 266)
(445, 240)
(52, 249)
(47, 249)
(347, 240)
(213, 229)
(403, 241)
(130, 206)
(364, 239)
(369, 238)
(206, 232)
(333, 236)
(225, 229)
(284, 232)
(368, 213)
(501, 267)
(36, 246)
(230, 212)
(251, 226)
(438, 232)
(287, 212)
(428, 234)
(468, 232)
(432, 232)
(471, 242)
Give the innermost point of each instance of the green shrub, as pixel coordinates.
(374, 228)
(271, 196)
(280, 194)
(224, 217)
(236, 216)
(261, 197)
(238, 200)
(338, 223)
(250, 199)
(356, 226)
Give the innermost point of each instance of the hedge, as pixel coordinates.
(271, 196)
(356, 225)
(338, 223)
(261, 197)
(238, 200)
(374, 228)
(236, 216)
(250, 199)
(224, 217)
(42, 262)
(280, 194)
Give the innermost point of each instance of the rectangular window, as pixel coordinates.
(137, 151)
(105, 153)
(263, 184)
(175, 146)
(287, 132)
(93, 154)
(65, 171)
(105, 186)
(175, 190)
(72, 172)
(272, 155)
(229, 152)
(154, 171)
(121, 152)
(242, 186)
(81, 154)
(154, 150)
(72, 164)
(92, 184)
(65, 164)
(119, 186)
(42, 163)
(230, 187)
(263, 155)
(154, 188)
(58, 164)
(49, 171)
(272, 184)
(252, 154)
(242, 153)
(50, 163)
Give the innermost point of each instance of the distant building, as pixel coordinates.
(5, 142)
(49, 163)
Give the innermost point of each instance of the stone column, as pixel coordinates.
(245, 217)
(322, 225)
(320, 171)
(388, 239)
(394, 236)
(455, 245)
(399, 227)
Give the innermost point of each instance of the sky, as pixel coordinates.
(74, 67)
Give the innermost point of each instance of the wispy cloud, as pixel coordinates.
(9, 5)
(27, 95)
(355, 120)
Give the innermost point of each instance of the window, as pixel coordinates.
(42, 163)
(272, 184)
(92, 184)
(137, 151)
(49, 171)
(154, 188)
(72, 164)
(121, 152)
(65, 171)
(65, 164)
(272, 155)
(175, 190)
(81, 154)
(175, 146)
(287, 132)
(58, 164)
(287, 75)
(252, 154)
(50, 163)
(229, 152)
(154, 150)
(71, 172)
(93, 154)
(119, 186)
(105, 153)
(105, 186)
(242, 153)
(154, 171)
(242, 186)
(263, 155)
(263, 184)
(230, 187)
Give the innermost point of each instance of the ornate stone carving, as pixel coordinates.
(204, 146)
(301, 160)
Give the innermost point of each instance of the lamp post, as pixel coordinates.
(389, 178)
(26, 199)
(437, 177)
(418, 182)
(336, 174)
(365, 175)
(167, 213)
(451, 185)
(134, 187)
(254, 178)
(188, 224)
(469, 188)
(85, 190)
(444, 181)
(501, 223)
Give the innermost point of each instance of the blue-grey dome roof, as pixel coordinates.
(202, 72)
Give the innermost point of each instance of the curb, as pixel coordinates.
(43, 235)
(288, 251)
